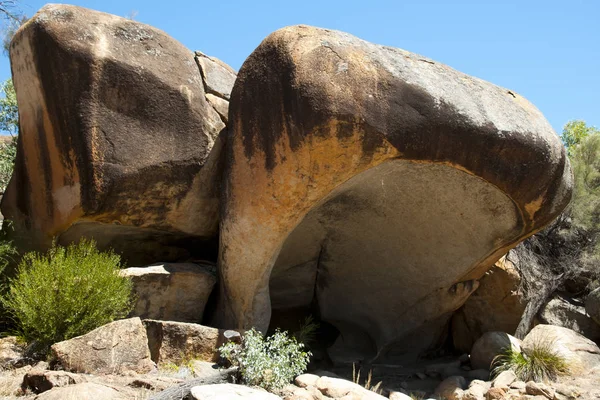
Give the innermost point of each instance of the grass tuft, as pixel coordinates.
(540, 364)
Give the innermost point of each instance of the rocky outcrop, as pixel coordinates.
(592, 305)
(580, 353)
(374, 187)
(172, 292)
(118, 137)
(175, 342)
(562, 310)
(117, 347)
(497, 305)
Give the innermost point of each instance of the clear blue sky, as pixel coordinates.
(548, 51)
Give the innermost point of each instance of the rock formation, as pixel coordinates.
(374, 187)
(119, 136)
(366, 185)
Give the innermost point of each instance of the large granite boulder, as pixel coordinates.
(563, 310)
(374, 187)
(118, 139)
(171, 291)
(497, 305)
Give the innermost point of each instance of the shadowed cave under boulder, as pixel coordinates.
(394, 229)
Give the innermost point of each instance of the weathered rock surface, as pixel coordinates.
(10, 351)
(117, 347)
(228, 391)
(563, 311)
(39, 380)
(451, 388)
(173, 342)
(83, 391)
(497, 305)
(117, 138)
(338, 388)
(375, 185)
(490, 345)
(581, 353)
(592, 305)
(173, 292)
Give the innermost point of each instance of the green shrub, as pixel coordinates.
(66, 293)
(270, 362)
(540, 364)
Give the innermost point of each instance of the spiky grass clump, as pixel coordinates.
(541, 363)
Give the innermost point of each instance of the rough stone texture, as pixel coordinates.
(496, 394)
(451, 388)
(339, 388)
(489, 346)
(592, 305)
(580, 352)
(305, 380)
(174, 292)
(173, 342)
(39, 381)
(476, 391)
(540, 389)
(375, 185)
(83, 391)
(117, 347)
(217, 76)
(399, 396)
(117, 139)
(497, 305)
(10, 351)
(227, 391)
(504, 379)
(563, 311)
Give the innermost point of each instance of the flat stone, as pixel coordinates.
(39, 381)
(117, 347)
(504, 379)
(174, 342)
(227, 391)
(84, 391)
(172, 291)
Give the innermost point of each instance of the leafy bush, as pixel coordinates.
(542, 363)
(270, 362)
(8, 152)
(66, 293)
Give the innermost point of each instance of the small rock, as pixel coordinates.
(399, 396)
(518, 385)
(451, 388)
(490, 345)
(305, 380)
(504, 379)
(338, 388)
(39, 381)
(228, 391)
(475, 392)
(156, 384)
(539, 389)
(83, 391)
(113, 348)
(495, 394)
(232, 336)
(10, 351)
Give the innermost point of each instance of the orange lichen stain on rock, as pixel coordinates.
(268, 204)
(532, 207)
